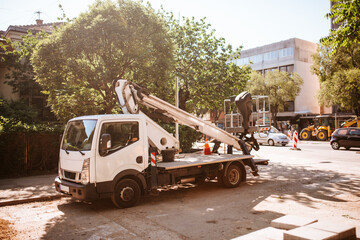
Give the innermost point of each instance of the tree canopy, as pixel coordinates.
(78, 62)
(345, 14)
(206, 77)
(337, 62)
(339, 76)
(279, 86)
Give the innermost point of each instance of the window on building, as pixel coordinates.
(290, 68)
(256, 58)
(286, 52)
(269, 56)
(241, 61)
(289, 106)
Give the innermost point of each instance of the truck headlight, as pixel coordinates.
(85, 172)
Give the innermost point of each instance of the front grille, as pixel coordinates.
(70, 175)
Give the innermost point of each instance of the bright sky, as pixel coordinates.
(250, 23)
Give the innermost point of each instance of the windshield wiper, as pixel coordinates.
(75, 148)
(66, 150)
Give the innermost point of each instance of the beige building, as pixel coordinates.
(292, 55)
(15, 33)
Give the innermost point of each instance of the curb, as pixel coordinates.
(29, 200)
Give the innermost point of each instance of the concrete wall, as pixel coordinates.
(6, 91)
(306, 100)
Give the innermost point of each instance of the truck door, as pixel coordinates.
(126, 151)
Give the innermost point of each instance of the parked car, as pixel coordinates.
(271, 137)
(345, 137)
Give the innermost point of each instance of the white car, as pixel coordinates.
(272, 137)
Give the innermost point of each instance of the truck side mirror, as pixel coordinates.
(105, 143)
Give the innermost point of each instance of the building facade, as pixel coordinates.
(292, 55)
(34, 98)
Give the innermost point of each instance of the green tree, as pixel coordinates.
(77, 64)
(338, 75)
(279, 86)
(345, 13)
(206, 77)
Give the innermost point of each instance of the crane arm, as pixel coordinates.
(130, 95)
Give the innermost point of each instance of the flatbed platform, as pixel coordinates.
(198, 159)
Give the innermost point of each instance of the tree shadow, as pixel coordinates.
(206, 211)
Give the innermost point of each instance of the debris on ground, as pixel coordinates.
(7, 232)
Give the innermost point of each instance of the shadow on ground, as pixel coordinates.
(203, 212)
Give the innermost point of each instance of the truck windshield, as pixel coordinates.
(79, 135)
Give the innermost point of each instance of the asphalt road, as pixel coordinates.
(314, 154)
(316, 182)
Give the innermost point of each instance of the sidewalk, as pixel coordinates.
(27, 189)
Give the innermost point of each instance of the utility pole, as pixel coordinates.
(177, 105)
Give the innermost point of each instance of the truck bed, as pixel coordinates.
(197, 159)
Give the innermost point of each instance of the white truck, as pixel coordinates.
(126, 155)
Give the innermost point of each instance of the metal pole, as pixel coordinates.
(177, 105)
(336, 122)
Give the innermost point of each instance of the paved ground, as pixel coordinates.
(27, 189)
(315, 182)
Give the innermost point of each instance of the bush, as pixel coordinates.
(18, 110)
(18, 117)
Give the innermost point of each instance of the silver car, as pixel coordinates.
(271, 137)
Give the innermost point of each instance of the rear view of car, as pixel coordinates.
(345, 137)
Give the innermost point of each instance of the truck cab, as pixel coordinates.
(86, 169)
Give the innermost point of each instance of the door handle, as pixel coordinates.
(139, 159)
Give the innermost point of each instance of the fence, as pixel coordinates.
(28, 153)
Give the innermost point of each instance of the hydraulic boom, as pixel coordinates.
(130, 95)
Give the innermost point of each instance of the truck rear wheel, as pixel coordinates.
(233, 176)
(322, 135)
(126, 193)
(305, 135)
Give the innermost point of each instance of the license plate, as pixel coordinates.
(64, 188)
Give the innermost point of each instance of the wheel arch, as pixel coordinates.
(132, 174)
(240, 164)
(336, 142)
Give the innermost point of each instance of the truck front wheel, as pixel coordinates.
(233, 176)
(126, 193)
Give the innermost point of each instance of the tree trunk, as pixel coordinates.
(274, 111)
(183, 97)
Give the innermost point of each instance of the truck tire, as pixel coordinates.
(305, 135)
(126, 193)
(322, 135)
(233, 176)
